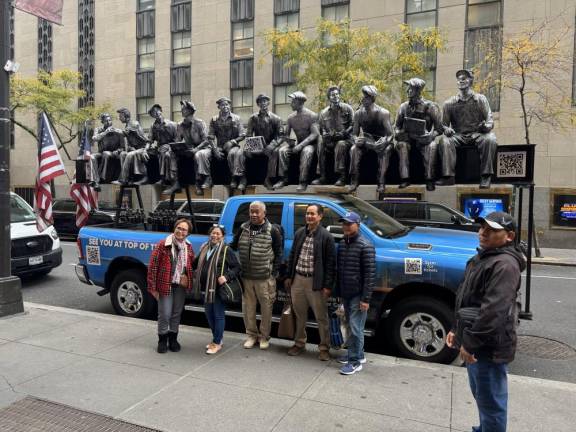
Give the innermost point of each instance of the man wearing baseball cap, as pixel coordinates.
(356, 277)
(488, 294)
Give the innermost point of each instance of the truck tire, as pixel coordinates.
(418, 327)
(129, 295)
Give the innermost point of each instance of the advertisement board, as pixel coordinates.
(475, 205)
(564, 208)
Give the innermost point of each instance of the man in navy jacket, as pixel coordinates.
(356, 265)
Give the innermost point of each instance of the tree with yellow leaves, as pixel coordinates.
(55, 93)
(337, 54)
(535, 65)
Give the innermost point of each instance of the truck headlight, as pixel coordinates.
(54, 234)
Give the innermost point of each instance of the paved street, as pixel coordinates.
(553, 304)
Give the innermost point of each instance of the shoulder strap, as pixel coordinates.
(224, 260)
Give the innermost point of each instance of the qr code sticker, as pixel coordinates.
(93, 255)
(413, 266)
(511, 164)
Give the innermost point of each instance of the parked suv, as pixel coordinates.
(64, 213)
(423, 213)
(32, 252)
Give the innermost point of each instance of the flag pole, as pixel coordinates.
(10, 294)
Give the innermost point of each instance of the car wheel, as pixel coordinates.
(129, 295)
(418, 328)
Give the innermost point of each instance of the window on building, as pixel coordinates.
(181, 26)
(179, 89)
(143, 105)
(181, 43)
(287, 21)
(242, 103)
(145, 4)
(484, 35)
(424, 14)
(242, 39)
(144, 97)
(145, 23)
(146, 53)
(241, 75)
(281, 100)
(335, 10)
(176, 107)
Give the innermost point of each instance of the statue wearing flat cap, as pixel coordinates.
(304, 123)
(467, 121)
(192, 133)
(134, 165)
(162, 133)
(373, 122)
(418, 123)
(111, 145)
(269, 126)
(335, 124)
(226, 132)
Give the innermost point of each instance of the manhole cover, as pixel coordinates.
(540, 347)
(35, 415)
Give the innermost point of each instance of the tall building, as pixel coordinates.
(135, 53)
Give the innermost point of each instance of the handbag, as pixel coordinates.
(229, 292)
(287, 326)
(336, 337)
(465, 318)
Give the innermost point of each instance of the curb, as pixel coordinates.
(551, 262)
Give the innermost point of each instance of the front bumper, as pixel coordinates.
(82, 274)
(50, 260)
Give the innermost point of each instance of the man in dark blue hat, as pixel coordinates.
(356, 277)
(467, 121)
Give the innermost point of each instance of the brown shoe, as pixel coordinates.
(295, 350)
(324, 356)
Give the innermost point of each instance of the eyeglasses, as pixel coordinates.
(217, 226)
(181, 229)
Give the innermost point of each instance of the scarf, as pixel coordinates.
(210, 255)
(179, 249)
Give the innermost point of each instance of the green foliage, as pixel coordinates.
(55, 93)
(350, 58)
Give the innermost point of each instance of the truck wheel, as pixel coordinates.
(129, 295)
(418, 327)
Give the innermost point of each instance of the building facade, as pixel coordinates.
(134, 53)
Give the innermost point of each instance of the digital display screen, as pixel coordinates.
(474, 206)
(565, 210)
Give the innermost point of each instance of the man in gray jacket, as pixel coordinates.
(259, 244)
(490, 287)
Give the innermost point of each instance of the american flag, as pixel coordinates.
(84, 195)
(50, 166)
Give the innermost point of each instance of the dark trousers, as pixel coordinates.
(489, 386)
(485, 144)
(170, 309)
(215, 314)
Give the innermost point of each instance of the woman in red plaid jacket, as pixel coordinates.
(169, 277)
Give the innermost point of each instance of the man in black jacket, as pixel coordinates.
(311, 271)
(490, 286)
(356, 279)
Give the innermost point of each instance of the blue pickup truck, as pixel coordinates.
(418, 269)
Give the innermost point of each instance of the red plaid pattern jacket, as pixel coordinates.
(160, 267)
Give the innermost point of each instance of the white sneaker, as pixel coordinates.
(264, 344)
(249, 343)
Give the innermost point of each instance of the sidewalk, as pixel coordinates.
(560, 257)
(107, 364)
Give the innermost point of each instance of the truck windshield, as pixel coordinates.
(20, 211)
(379, 222)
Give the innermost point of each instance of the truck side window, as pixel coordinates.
(273, 213)
(439, 214)
(408, 211)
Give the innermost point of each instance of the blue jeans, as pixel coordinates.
(356, 320)
(215, 315)
(489, 386)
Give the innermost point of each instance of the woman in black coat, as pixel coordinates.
(215, 265)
